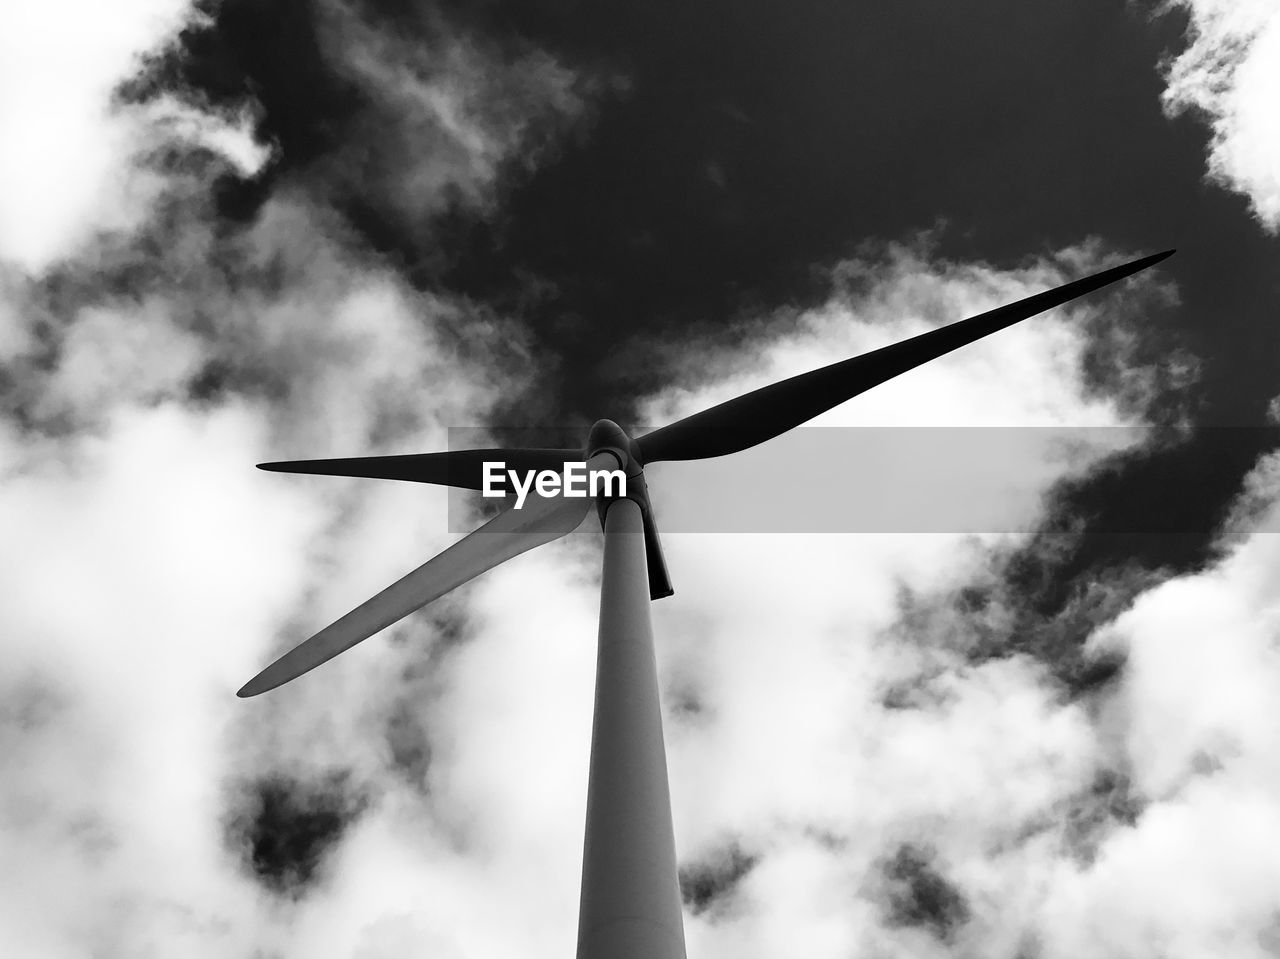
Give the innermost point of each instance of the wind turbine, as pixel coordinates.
(630, 905)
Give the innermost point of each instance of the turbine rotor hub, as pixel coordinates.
(608, 436)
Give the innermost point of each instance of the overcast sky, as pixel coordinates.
(268, 229)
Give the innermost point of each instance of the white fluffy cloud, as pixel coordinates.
(791, 646)
(1136, 815)
(149, 569)
(138, 576)
(70, 159)
(1230, 72)
(1193, 725)
(467, 762)
(446, 118)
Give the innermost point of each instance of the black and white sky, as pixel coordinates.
(266, 229)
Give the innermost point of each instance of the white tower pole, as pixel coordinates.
(630, 890)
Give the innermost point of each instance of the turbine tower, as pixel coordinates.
(630, 904)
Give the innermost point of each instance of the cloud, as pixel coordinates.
(71, 166)
(1191, 724)
(854, 757)
(435, 776)
(93, 115)
(1229, 75)
(446, 113)
(107, 799)
(399, 798)
(901, 289)
(156, 569)
(152, 352)
(847, 774)
(880, 791)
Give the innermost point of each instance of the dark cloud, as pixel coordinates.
(30, 703)
(709, 882)
(1092, 817)
(920, 896)
(1003, 611)
(752, 142)
(283, 828)
(1160, 505)
(733, 148)
(684, 701)
(337, 91)
(408, 742)
(1055, 630)
(1147, 514)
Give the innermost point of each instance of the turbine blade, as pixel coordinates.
(508, 534)
(462, 468)
(762, 414)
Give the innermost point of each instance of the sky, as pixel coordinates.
(244, 231)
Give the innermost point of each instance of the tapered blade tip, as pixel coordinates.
(314, 467)
(1123, 270)
(267, 680)
(1135, 266)
(253, 687)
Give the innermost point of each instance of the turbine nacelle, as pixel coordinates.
(608, 436)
